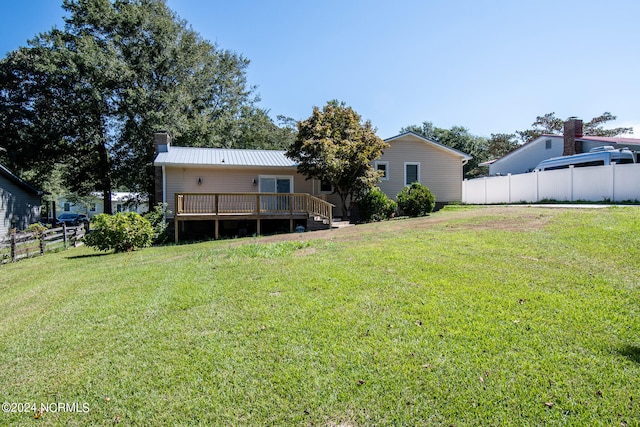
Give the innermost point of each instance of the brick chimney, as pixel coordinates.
(162, 143)
(572, 130)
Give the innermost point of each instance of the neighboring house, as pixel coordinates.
(93, 205)
(20, 203)
(183, 172)
(526, 157)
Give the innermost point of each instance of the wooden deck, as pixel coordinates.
(249, 206)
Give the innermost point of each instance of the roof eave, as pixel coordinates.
(465, 157)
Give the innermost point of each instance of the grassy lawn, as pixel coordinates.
(473, 316)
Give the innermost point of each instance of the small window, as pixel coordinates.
(119, 208)
(325, 186)
(67, 206)
(547, 144)
(384, 168)
(92, 208)
(411, 173)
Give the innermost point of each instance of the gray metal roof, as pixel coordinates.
(193, 156)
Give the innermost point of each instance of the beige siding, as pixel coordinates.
(224, 180)
(440, 170)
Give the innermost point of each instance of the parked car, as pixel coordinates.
(72, 219)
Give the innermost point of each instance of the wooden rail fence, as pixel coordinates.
(28, 244)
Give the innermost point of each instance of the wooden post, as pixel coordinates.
(291, 224)
(43, 243)
(216, 229)
(14, 254)
(258, 226)
(64, 235)
(258, 207)
(175, 224)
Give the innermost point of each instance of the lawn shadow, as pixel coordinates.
(89, 255)
(631, 352)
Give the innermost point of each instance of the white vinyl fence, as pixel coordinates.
(614, 183)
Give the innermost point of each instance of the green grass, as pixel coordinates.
(474, 316)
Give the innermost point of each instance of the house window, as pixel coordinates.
(547, 144)
(325, 186)
(119, 207)
(67, 206)
(384, 168)
(411, 173)
(92, 208)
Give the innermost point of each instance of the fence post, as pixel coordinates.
(485, 190)
(43, 245)
(14, 254)
(571, 169)
(64, 235)
(613, 182)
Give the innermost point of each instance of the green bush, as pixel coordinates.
(157, 218)
(416, 200)
(122, 232)
(37, 229)
(376, 206)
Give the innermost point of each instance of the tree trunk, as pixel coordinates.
(345, 211)
(106, 199)
(106, 179)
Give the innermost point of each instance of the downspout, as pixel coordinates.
(164, 192)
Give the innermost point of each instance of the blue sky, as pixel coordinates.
(490, 66)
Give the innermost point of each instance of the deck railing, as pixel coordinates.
(252, 204)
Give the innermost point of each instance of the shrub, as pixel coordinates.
(376, 206)
(37, 229)
(157, 219)
(122, 232)
(416, 200)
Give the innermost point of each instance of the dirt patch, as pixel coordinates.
(506, 218)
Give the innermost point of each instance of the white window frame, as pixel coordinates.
(405, 172)
(386, 169)
(276, 177)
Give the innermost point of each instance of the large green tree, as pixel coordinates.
(552, 125)
(501, 144)
(90, 96)
(334, 145)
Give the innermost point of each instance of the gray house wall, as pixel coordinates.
(18, 206)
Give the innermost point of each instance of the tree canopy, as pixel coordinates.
(90, 96)
(552, 125)
(335, 146)
(457, 137)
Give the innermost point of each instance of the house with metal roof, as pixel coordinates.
(236, 188)
(20, 203)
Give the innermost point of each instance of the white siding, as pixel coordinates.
(528, 156)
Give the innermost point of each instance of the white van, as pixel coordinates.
(599, 156)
